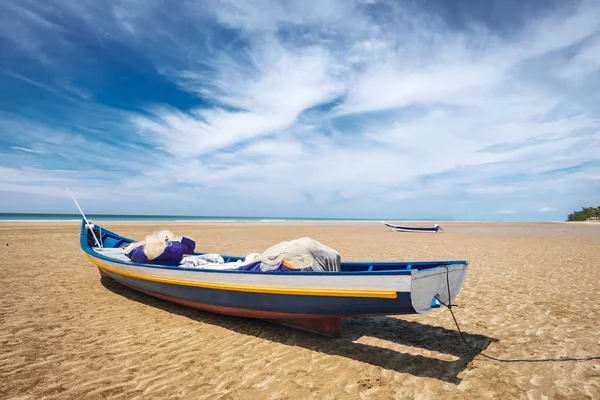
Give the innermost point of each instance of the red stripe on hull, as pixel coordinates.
(324, 325)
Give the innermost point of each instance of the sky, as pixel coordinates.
(333, 108)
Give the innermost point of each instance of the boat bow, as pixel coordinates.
(442, 283)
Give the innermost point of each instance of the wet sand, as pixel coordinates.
(531, 291)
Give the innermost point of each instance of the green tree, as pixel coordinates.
(585, 213)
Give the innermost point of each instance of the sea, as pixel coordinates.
(6, 217)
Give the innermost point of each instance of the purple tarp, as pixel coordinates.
(172, 254)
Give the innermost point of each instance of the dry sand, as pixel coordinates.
(532, 291)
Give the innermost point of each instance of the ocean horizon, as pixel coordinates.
(53, 217)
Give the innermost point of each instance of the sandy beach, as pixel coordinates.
(531, 290)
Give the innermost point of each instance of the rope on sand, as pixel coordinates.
(480, 352)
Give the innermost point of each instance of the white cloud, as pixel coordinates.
(584, 63)
(545, 209)
(271, 93)
(45, 182)
(26, 27)
(558, 31)
(26, 150)
(268, 16)
(36, 84)
(506, 212)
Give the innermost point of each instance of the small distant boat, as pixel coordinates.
(402, 228)
(313, 301)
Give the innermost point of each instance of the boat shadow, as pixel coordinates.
(446, 367)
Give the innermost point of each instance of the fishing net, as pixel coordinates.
(298, 254)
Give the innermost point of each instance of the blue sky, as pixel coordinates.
(376, 109)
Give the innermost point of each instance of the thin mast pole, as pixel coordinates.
(86, 221)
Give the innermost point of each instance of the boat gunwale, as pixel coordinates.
(434, 264)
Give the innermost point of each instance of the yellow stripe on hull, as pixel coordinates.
(383, 294)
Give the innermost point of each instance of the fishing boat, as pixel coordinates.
(402, 228)
(313, 301)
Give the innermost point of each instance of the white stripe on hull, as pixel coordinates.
(423, 285)
(397, 283)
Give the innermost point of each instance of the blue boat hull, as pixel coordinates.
(253, 304)
(401, 228)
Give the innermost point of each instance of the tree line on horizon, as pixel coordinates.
(585, 213)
